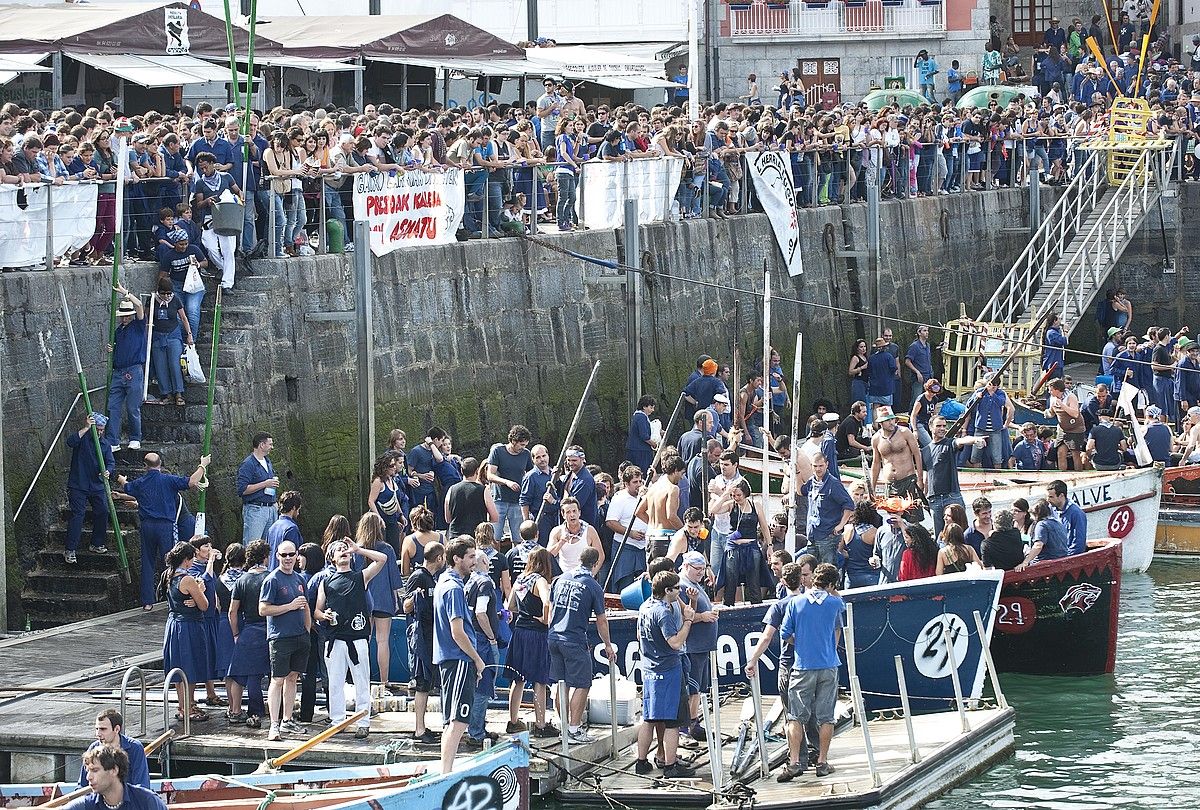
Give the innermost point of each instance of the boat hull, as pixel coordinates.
(902, 619)
(497, 778)
(1178, 532)
(1181, 485)
(1059, 617)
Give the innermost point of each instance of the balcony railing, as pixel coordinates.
(873, 19)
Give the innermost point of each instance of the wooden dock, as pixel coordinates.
(948, 756)
(53, 683)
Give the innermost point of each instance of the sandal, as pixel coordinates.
(198, 716)
(216, 700)
(179, 400)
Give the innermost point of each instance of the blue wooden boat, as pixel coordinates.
(903, 618)
(497, 779)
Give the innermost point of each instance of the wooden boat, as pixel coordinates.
(1178, 532)
(1181, 485)
(497, 778)
(1059, 617)
(1123, 504)
(903, 619)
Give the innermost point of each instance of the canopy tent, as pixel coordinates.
(587, 61)
(506, 68)
(14, 65)
(387, 37)
(302, 63)
(166, 29)
(156, 71)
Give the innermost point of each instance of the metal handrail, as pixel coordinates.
(62, 426)
(1101, 246)
(187, 690)
(1018, 288)
(124, 688)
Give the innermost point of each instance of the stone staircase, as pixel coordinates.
(56, 593)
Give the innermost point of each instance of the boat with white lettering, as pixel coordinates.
(497, 779)
(1059, 617)
(900, 619)
(1123, 504)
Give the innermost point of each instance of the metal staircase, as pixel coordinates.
(1070, 257)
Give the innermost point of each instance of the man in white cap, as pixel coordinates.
(129, 361)
(694, 573)
(896, 459)
(722, 422)
(1158, 436)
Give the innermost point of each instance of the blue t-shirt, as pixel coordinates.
(657, 622)
(1075, 520)
(1028, 455)
(136, 798)
(881, 374)
(279, 589)
(1158, 442)
(420, 460)
(139, 771)
(156, 494)
(449, 603)
(511, 466)
(827, 501)
(481, 598)
(1054, 353)
(575, 598)
(284, 528)
(702, 638)
(703, 389)
(1053, 536)
(130, 348)
(167, 317)
(774, 618)
(812, 620)
(921, 356)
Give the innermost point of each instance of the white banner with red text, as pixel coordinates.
(606, 185)
(26, 214)
(415, 208)
(772, 176)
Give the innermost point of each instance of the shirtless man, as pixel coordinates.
(897, 451)
(1189, 438)
(660, 507)
(1072, 433)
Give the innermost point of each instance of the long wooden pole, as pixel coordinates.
(790, 474)
(201, 519)
(309, 744)
(87, 404)
(766, 408)
(557, 469)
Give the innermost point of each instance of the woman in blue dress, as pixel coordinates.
(385, 592)
(250, 661)
(235, 566)
(204, 567)
(386, 498)
(185, 642)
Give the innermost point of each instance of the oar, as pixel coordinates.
(271, 765)
(206, 445)
(557, 469)
(159, 741)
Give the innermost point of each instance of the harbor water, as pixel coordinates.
(1127, 740)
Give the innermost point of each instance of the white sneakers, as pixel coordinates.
(134, 444)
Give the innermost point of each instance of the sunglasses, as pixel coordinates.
(286, 554)
(673, 588)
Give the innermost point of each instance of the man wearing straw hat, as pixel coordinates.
(129, 367)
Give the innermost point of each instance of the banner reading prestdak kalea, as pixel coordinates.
(410, 209)
(773, 183)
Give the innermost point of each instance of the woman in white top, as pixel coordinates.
(569, 539)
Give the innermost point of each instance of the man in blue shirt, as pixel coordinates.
(700, 391)
(421, 460)
(1029, 452)
(258, 485)
(506, 468)
(243, 174)
(107, 770)
(157, 495)
(881, 376)
(662, 633)
(110, 731)
(703, 638)
(285, 527)
(283, 602)
(681, 79)
(129, 366)
(85, 488)
(579, 484)
(993, 417)
(1070, 514)
(829, 508)
(537, 497)
(459, 664)
(1187, 378)
(813, 622)
(575, 598)
(919, 362)
(639, 446)
(218, 147)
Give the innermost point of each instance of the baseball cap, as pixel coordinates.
(694, 558)
(1112, 330)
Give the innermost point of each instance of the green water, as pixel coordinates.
(1128, 740)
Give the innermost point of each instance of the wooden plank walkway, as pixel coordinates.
(948, 757)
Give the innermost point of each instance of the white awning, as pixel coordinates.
(303, 63)
(632, 82)
(156, 71)
(14, 64)
(473, 67)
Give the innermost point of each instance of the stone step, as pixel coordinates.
(234, 318)
(175, 432)
(191, 413)
(51, 559)
(255, 283)
(237, 298)
(235, 357)
(127, 514)
(45, 611)
(178, 457)
(75, 580)
(230, 336)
